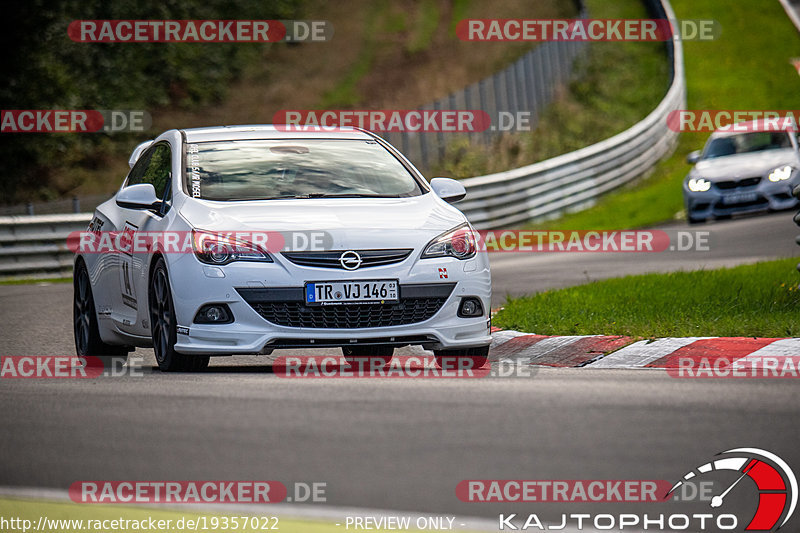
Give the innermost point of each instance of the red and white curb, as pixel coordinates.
(616, 351)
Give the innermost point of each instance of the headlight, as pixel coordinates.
(458, 243)
(781, 173)
(698, 185)
(221, 249)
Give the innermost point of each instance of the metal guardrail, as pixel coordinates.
(75, 204)
(36, 245)
(573, 181)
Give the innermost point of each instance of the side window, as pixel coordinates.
(136, 173)
(153, 167)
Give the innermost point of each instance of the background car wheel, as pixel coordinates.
(693, 220)
(163, 326)
(353, 354)
(84, 322)
(449, 358)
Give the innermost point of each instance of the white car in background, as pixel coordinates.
(395, 264)
(742, 169)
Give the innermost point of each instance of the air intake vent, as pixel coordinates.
(330, 259)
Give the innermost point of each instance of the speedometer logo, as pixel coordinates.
(776, 483)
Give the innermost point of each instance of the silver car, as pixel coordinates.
(741, 170)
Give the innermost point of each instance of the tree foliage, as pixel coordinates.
(46, 70)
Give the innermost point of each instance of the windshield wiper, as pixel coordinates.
(339, 195)
(309, 195)
(256, 198)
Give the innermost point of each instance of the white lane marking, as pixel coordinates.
(641, 353)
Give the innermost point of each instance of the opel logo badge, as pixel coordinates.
(350, 260)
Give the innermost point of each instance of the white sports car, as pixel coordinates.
(245, 239)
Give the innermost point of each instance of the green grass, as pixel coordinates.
(760, 300)
(345, 93)
(617, 84)
(428, 21)
(748, 67)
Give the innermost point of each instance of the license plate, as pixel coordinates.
(741, 198)
(360, 292)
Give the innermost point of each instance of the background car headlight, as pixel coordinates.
(698, 185)
(781, 173)
(219, 249)
(458, 243)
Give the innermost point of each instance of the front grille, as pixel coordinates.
(285, 307)
(330, 259)
(299, 315)
(738, 184)
(759, 201)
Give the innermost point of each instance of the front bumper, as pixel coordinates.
(195, 285)
(765, 196)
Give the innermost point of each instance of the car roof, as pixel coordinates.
(269, 131)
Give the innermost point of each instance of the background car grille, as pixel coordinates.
(330, 259)
(738, 184)
(286, 307)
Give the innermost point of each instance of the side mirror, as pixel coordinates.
(139, 196)
(448, 189)
(138, 151)
(693, 157)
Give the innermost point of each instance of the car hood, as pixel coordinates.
(373, 222)
(745, 165)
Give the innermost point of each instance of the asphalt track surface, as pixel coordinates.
(394, 444)
(730, 243)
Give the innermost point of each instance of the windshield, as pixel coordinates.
(295, 168)
(747, 142)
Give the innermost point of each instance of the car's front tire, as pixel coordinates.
(88, 342)
(163, 326)
(451, 358)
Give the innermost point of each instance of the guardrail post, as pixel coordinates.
(29, 208)
(76, 204)
(485, 136)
